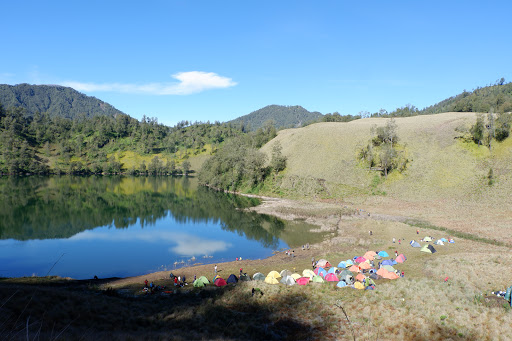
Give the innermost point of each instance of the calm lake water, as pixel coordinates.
(80, 227)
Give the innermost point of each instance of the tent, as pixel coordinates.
(258, 276)
(427, 239)
(198, 283)
(204, 280)
(320, 272)
(296, 276)
(451, 241)
(360, 259)
(287, 280)
(428, 248)
(271, 280)
(365, 266)
(388, 262)
(354, 268)
(308, 273)
(360, 277)
(274, 274)
(349, 262)
(244, 278)
(341, 284)
(439, 242)
(444, 240)
(285, 273)
(220, 282)
(332, 270)
(401, 258)
(387, 274)
(214, 278)
(331, 277)
(232, 279)
(346, 273)
(383, 254)
(369, 255)
(415, 243)
(323, 263)
(318, 279)
(359, 285)
(302, 281)
(389, 268)
(342, 264)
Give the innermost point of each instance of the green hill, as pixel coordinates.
(53, 99)
(283, 116)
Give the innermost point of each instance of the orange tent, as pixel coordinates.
(354, 268)
(360, 277)
(365, 266)
(370, 255)
(387, 274)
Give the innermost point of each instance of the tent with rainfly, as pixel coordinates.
(341, 284)
(415, 243)
(354, 268)
(274, 274)
(296, 276)
(401, 258)
(342, 264)
(308, 273)
(203, 279)
(383, 254)
(427, 239)
(360, 260)
(258, 276)
(302, 281)
(220, 282)
(428, 249)
(360, 277)
(271, 280)
(285, 273)
(365, 266)
(320, 272)
(332, 270)
(369, 255)
(444, 240)
(198, 284)
(439, 242)
(244, 278)
(387, 274)
(323, 263)
(232, 279)
(287, 280)
(317, 279)
(388, 262)
(358, 285)
(331, 277)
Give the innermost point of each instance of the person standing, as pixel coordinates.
(215, 268)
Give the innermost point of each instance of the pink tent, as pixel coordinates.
(331, 277)
(401, 258)
(360, 260)
(302, 281)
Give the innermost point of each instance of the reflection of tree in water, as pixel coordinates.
(60, 207)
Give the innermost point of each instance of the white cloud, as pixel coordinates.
(189, 83)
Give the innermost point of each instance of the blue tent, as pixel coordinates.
(444, 240)
(320, 272)
(232, 279)
(332, 270)
(342, 264)
(415, 243)
(383, 254)
(349, 262)
(341, 284)
(388, 262)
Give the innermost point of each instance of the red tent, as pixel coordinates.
(302, 281)
(220, 282)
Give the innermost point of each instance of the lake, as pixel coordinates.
(80, 227)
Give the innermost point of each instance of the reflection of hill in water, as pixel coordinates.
(60, 207)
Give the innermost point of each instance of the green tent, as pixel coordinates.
(198, 283)
(204, 280)
(428, 248)
(318, 279)
(389, 268)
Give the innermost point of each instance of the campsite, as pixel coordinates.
(439, 296)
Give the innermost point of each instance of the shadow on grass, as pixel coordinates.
(50, 311)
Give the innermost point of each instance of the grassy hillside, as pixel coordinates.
(446, 178)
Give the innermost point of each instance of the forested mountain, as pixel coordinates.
(283, 117)
(496, 97)
(53, 99)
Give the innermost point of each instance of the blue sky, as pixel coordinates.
(218, 60)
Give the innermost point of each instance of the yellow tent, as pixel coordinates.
(308, 273)
(271, 280)
(296, 276)
(274, 274)
(359, 285)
